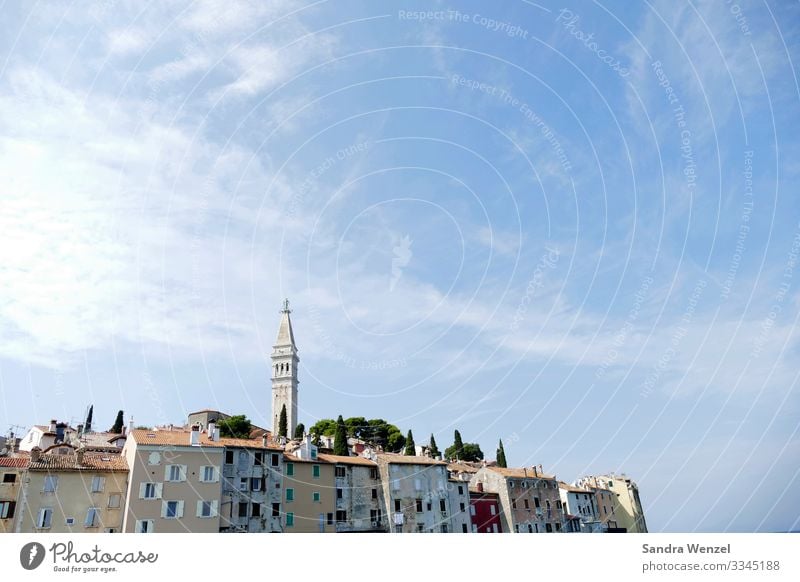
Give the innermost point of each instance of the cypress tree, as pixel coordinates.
(458, 445)
(410, 448)
(501, 455)
(433, 449)
(299, 431)
(282, 429)
(340, 438)
(117, 428)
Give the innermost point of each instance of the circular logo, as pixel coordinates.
(31, 555)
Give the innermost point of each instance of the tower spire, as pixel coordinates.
(284, 372)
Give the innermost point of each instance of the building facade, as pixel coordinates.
(358, 494)
(484, 510)
(284, 374)
(626, 510)
(13, 470)
(581, 508)
(309, 492)
(68, 490)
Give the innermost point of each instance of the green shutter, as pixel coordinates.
(289, 469)
(316, 471)
(289, 519)
(290, 495)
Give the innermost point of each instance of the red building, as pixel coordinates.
(484, 510)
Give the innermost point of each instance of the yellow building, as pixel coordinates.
(12, 473)
(309, 492)
(626, 511)
(68, 491)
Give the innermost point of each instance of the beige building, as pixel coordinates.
(309, 488)
(529, 499)
(175, 481)
(73, 491)
(13, 469)
(627, 511)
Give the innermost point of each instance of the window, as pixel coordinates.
(444, 528)
(7, 509)
(290, 494)
(340, 471)
(206, 508)
(558, 526)
(150, 491)
(462, 507)
(91, 517)
(289, 519)
(144, 526)
(209, 474)
(472, 510)
(313, 454)
(172, 509)
(243, 482)
(419, 505)
(114, 501)
(289, 469)
(276, 510)
(229, 457)
(464, 528)
(258, 459)
(442, 505)
(315, 471)
(9, 477)
(373, 473)
(397, 505)
(516, 528)
(98, 483)
(243, 507)
(558, 504)
(315, 496)
(474, 528)
(429, 506)
(461, 490)
(175, 473)
(548, 527)
(527, 505)
(339, 493)
(256, 510)
(50, 484)
(420, 527)
(374, 493)
(513, 504)
(70, 521)
(256, 484)
(330, 519)
(341, 516)
(493, 509)
(275, 459)
(536, 503)
(44, 518)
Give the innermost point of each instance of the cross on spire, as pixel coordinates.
(286, 307)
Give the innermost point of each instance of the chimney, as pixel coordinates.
(80, 430)
(210, 430)
(524, 471)
(535, 472)
(79, 455)
(480, 487)
(194, 436)
(52, 425)
(264, 441)
(35, 453)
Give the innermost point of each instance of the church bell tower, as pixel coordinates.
(284, 374)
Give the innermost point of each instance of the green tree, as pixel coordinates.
(472, 452)
(410, 447)
(117, 428)
(87, 427)
(324, 427)
(237, 427)
(299, 431)
(501, 455)
(357, 427)
(433, 449)
(282, 422)
(340, 440)
(395, 442)
(457, 448)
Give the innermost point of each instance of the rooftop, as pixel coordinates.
(521, 473)
(180, 437)
(342, 460)
(396, 459)
(69, 462)
(17, 462)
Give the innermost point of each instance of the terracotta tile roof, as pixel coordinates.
(318, 461)
(408, 460)
(572, 488)
(180, 437)
(348, 460)
(15, 462)
(462, 468)
(521, 473)
(91, 462)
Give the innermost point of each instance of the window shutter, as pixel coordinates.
(141, 490)
(199, 512)
(179, 512)
(159, 486)
(183, 472)
(214, 506)
(166, 472)
(163, 509)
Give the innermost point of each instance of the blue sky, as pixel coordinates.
(570, 226)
